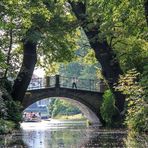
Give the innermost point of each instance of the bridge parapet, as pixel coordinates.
(39, 83)
(66, 82)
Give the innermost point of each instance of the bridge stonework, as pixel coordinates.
(88, 101)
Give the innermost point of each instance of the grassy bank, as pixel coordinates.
(70, 117)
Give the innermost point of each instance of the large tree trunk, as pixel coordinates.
(110, 67)
(103, 52)
(24, 76)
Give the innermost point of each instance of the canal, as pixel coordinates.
(69, 134)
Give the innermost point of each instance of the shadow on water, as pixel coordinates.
(71, 136)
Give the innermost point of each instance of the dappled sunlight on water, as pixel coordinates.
(68, 134)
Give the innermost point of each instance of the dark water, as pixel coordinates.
(70, 135)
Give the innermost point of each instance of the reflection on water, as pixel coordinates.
(53, 134)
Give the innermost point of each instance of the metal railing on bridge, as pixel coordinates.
(39, 83)
(67, 82)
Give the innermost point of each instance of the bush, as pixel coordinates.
(10, 110)
(13, 111)
(137, 104)
(6, 126)
(108, 109)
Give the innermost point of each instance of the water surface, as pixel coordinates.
(67, 134)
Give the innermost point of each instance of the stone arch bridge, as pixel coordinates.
(87, 96)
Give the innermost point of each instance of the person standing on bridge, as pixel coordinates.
(74, 82)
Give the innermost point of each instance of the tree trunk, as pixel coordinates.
(110, 65)
(24, 76)
(103, 52)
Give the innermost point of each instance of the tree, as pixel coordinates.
(115, 30)
(36, 25)
(63, 107)
(107, 25)
(26, 71)
(103, 51)
(10, 114)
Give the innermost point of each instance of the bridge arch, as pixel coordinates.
(88, 102)
(88, 113)
(88, 93)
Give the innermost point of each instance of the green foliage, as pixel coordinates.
(10, 114)
(52, 26)
(6, 86)
(133, 53)
(2, 60)
(6, 126)
(3, 109)
(71, 69)
(80, 68)
(13, 112)
(136, 140)
(123, 25)
(63, 107)
(137, 105)
(51, 106)
(108, 109)
(144, 82)
(46, 23)
(84, 53)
